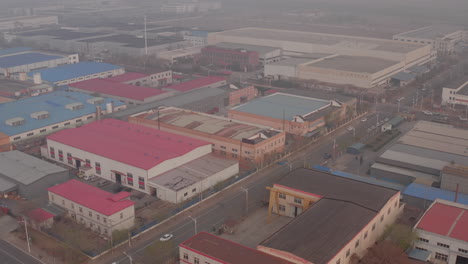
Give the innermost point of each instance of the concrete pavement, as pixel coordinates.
(12, 255)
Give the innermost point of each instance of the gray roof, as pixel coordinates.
(429, 153)
(403, 76)
(24, 168)
(291, 62)
(261, 50)
(354, 64)
(431, 32)
(321, 231)
(12, 86)
(192, 172)
(6, 185)
(281, 106)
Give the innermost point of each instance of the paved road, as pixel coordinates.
(11, 255)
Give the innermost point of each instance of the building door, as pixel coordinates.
(297, 211)
(78, 163)
(153, 191)
(118, 178)
(461, 260)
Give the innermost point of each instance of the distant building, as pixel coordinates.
(97, 209)
(235, 59)
(442, 231)
(246, 142)
(456, 93)
(454, 177)
(199, 83)
(334, 217)
(72, 73)
(290, 113)
(14, 51)
(422, 196)
(26, 62)
(26, 22)
(171, 167)
(243, 95)
(28, 176)
(208, 248)
(16, 89)
(160, 78)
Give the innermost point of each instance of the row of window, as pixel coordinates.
(443, 245)
(195, 259)
(87, 77)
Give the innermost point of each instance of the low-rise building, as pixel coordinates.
(97, 209)
(242, 95)
(14, 51)
(442, 231)
(294, 114)
(160, 78)
(28, 176)
(229, 138)
(334, 217)
(144, 159)
(24, 22)
(456, 93)
(199, 83)
(208, 248)
(16, 89)
(454, 177)
(422, 196)
(72, 73)
(30, 61)
(231, 58)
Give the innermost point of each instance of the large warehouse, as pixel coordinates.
(27, 175)
(30, 61)
(298, 42)
(290, 113)
(229, 138)
(166, 165)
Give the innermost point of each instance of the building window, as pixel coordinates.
(30, 134)
(365, 235)
(348, 252)
(72, 206)
(104, 220)
(89, 117)
(338, 261)
(423, 240)
(234, 155)
(373, 227)
(141, 183)
(81, 210)
(223, 147)
(396, 204)
(282, 195)
(90, 214)
(389, 210)
(185, 194)
(130, 179)
(54, 127)
(185, 256)
(463, 250)
(420, 248)
(98, 217)
(42, 130)
(297, 200)
(60, 155)
(282, 208)
(52, 152)
(441, 256)
(69, 159)
(443, 245)
(194, 189)
(97, 166)
(196, 261)
(121, 215)
(357, 244)
(88, 163)
(382, 218)
(63, 202)
(234, 150)
(66, 124)
(78, 120)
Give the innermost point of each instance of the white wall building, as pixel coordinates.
(442, 230)
(30, 61)
(456, 94)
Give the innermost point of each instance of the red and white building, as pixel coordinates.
(101, 211)
(203, 82)
(157, 79)
(169, 166)
(243, 95)
(443, 230)
(205, 248)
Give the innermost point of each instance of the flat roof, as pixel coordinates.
(92, 197)
(456, 83)
(413, 159)
(322, 230)
(6, 186)
(9, 51)
(433, 154)
(335, 187)
(196, 83)
(11, 86)
(225, 251)
(71, 71)
(132, 41)
(449, 220)
(63, 34)
(353, 64)
(322, 39)
(108, 87)
(205, 123)
(283, 106)
(54, 103)
(431, 32)
(290, 62)
(128, 76)
(24, 168)
(431, 193)
(262, 50)
(25, 59)
(132, 144)
(192, 172)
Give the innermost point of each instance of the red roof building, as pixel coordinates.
(128, 76)
(443, 230)
(203, 82)
(207, 248)
(120, 91)
(39, 215)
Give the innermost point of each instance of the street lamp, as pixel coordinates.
(399, 100)
(246, 199)
(195, 221)
(129, 257)
(27, 235)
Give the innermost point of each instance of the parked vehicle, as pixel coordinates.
(427, 112)
(166, 237)
(364, 120)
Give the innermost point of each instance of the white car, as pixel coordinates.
(463, 118)
(166, 237)
(427, 112)
(386, 119)
(350, 128)
(364, 120)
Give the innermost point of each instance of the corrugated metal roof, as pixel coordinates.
(24, 168)
(431, 193)
(25, 59)
(71, 71)
(4, 52)
(54, 103)
(404, 76)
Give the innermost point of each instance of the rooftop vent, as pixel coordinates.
(40, 115)
(74, 106)
(95, 100)
(17, 121)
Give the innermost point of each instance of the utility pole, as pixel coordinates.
(159, 126)
(146, 40)
(246, 199)
(195, 221)
(27, 235)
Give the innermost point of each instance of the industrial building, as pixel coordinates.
(266, 55)
(28, 176)
(456, 93)
(26, 22)
(422, 196)
(72, 73)
(14, 51)
(97, 209)
(208, 248)
(454, 177)
(294, 114)
(16, 89)
(144, 159)
(421, 154)
(443, 38)
(199, 83)
(173, 56)
(298, 43)
(37, 116)
(348, 216)
(126, 93)
(187, 7)
(229, 138)
(31, 61)
(160, 78)
(442, 232)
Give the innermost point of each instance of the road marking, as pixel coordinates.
(12, 256)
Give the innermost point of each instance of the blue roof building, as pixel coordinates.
(53, 108)
(11, 51)
(25, 59)
(67, 73)
(423, 195)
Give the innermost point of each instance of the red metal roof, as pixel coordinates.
(132, 144)
(196, 83)
(446, 220)
(92, 197)
(129, 76)
(105, 86)
(225, 251)
(39, 215)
